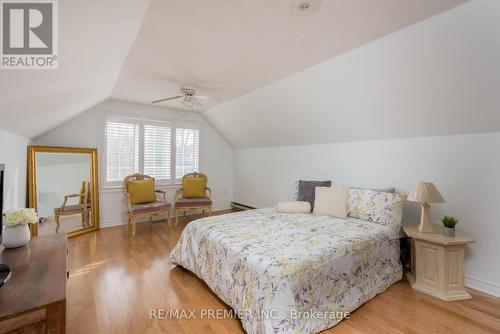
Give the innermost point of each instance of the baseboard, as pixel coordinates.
(123, 221)
(112, 222)
(486, 287)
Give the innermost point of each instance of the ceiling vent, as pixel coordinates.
(304, 7)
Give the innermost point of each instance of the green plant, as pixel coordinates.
(449, 221)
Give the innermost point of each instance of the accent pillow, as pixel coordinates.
(194, 187)
(331, 201)
(142, 191)
(294, 207)
(307, 192)
(377, 207)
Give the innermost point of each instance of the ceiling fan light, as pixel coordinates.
(188, 102)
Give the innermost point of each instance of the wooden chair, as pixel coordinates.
(192, 204)
(158, 207)
(83, 207)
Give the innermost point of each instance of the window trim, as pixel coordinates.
(112, 186)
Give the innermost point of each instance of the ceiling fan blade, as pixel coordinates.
(167, 99)
(197, 103)
(204, 97)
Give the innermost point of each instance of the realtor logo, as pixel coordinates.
(29, 34)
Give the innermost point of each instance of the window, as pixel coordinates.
(186, 151)
(157, 151)
(122, 150)
(162, 150)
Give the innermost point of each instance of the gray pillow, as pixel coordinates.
(307, 190)
(384, 190)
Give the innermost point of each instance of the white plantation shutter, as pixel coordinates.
(157, 139)
(187, 151)
(122, 149)
(160, 149)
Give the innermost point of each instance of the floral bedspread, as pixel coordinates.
(289, 273)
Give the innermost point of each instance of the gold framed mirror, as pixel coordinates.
(63, 188)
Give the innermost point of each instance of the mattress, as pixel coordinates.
(289, 273)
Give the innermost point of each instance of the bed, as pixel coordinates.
(290, 273)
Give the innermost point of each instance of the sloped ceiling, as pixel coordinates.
(223, 48)
(437, 77)
(94, 39)
(226, 48)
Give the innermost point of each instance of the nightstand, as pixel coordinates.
(437, 263)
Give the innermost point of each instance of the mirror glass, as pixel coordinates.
(64, 192)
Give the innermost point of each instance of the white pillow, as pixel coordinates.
(294, 207)
(331, 201)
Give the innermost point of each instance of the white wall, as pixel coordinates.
(465, 168)
(216, 155)
(14, 155)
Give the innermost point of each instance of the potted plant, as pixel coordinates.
(16, 230)
(449, 223)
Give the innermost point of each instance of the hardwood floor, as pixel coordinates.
(115, 280)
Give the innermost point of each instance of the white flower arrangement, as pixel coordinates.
(20, 216)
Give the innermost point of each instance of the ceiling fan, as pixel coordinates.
(189, 98)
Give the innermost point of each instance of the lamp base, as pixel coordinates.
(425, 225)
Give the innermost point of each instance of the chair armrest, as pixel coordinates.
(129, 202)
(208, 192)
(163, 193)
(66, 197)
(179, 193)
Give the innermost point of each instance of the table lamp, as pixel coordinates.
(425, 193)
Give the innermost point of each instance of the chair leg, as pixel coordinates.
(209, 211)
(57, 223)
(176, 217)
(168, 218)
(133, 226)
(151, 219)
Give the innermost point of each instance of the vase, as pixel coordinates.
(15, 236)
(449, 231)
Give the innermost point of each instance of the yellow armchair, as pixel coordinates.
(143, 200)
(195, 200)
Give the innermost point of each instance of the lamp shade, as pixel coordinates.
(425, 192)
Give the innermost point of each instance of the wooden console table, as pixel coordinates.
(34, 299)
(437, 263)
